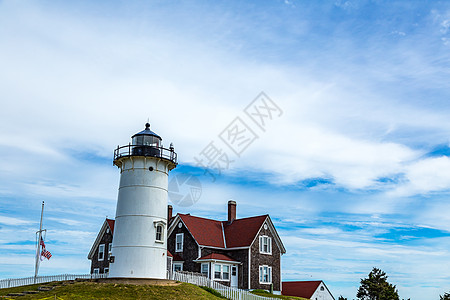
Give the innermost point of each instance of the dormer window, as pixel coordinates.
(265, 244)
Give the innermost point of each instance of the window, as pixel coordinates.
(101, 252)
(109, 249)
(205, 269)
(179, 242)
(106, 270)
(226, 272)
(233, 271)
(177, 267)
(96, 271)
(217, 271)
(322, 288)
(265, 274)
(265, 244)
(159, 233)
(222, 272)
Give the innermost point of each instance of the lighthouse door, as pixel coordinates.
(234, 276)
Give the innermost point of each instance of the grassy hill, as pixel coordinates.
(84, 290)
(93, 290)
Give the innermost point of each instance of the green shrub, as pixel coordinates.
(213, 291)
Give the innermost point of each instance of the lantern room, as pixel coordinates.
(146, 143)
(146, 138)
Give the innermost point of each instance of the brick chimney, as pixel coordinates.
(169, 213)
(231, 211)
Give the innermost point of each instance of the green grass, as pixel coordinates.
(213, 291)
(111, 291)
(267, 294)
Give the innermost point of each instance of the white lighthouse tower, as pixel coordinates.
(139, 248)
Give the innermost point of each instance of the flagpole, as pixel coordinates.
(36, 268)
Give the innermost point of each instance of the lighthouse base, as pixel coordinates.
(139, 262)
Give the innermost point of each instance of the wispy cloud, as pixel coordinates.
(363, 86)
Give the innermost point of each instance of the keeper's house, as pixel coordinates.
(243, 253)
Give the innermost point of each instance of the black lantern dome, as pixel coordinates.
(146, 138)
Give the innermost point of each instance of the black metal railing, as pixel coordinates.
(144, 150)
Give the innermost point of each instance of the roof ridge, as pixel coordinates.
(251, 217)
(188, 215)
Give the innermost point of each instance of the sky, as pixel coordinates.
(352, 160)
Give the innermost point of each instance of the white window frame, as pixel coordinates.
(261, 274)
(161, 239)
(221, 266)
(223, 272)
(109, 250)
(263, 241)
(177, 264)
(220, 272)
(101, 250)
(179, 249)
(207, 269)
(96, 271)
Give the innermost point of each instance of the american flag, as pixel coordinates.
(46, 254)
(42, 243)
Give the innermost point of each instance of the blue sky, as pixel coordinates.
(354, 172)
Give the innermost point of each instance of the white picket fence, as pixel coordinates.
(226, 291)
(13, 282)
(188, 277)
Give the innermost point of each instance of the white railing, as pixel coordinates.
(226, 291)
(13, 282)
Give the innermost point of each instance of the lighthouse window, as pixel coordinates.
(159, 233)
(179, 242)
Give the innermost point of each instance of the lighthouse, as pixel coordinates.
(139, 248)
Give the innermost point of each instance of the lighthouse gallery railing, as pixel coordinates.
(144, 150)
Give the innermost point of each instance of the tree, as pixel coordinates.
(342, 298)
(376, 287)
(445, 297)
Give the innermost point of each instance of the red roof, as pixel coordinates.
(111, 224)
(242, 232)
(207, 232)
(303, 289)
(217, 256)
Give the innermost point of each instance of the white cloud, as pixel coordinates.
(13, 221)
(425, 176)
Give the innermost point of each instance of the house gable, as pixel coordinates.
(271, 260)
(104, 238)
(108, 224)
(273, 231)
(190, 248)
